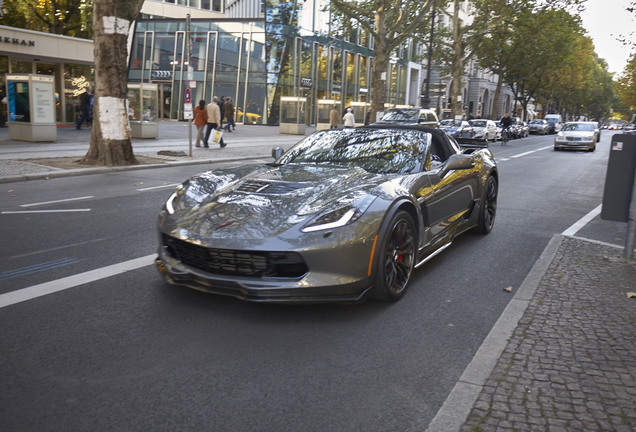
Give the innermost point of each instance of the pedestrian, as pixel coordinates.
(200, 120)
(333, 118)
(348, 119)
(85, 106)
(213, 121)
(221, 102)
(228, 110)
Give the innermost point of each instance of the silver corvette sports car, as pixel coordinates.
(342, 216)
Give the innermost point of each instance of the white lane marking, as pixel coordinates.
(44, 211)
(57, 201)
(159, 187)
(530, 152)
(51, 287)
(583, 221)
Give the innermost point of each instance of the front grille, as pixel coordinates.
(236, 262)
(574, 138)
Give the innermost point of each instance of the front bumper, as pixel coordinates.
(575, 144)
(265, 290)
(328, 269)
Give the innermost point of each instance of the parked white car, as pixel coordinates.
(484, 129)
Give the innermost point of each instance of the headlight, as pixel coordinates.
(341, 216)
(170, 204)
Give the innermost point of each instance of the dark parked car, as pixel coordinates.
(342, 216)
(411, 116)
(538, 126)
(458, 129)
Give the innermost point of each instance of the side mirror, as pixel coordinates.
(457, 162)
(277, 152)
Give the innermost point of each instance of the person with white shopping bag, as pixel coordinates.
(214, 120)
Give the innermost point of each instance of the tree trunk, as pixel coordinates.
(378, 85)
(110, 143)
(380, 62)
(458, 64)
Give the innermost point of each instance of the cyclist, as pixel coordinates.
(506, 122)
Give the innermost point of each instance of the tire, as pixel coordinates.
(488, 206)
(396, 258)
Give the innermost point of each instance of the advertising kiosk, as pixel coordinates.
(292, 115)
(143, 100)
(31, 107)
(324, 107)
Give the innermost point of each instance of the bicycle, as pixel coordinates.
(505, 136)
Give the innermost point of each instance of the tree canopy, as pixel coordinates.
(63, 17)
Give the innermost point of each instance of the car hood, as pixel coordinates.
(265, 201)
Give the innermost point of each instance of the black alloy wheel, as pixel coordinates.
(488, 208)
(397, 258)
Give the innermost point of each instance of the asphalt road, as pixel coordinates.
(115, 348)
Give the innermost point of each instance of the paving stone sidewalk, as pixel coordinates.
(571, 362)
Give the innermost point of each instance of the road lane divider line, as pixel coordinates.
(44, 211)
(58, 285)
(583, 221)
(159, 187)
(530, 152)
(57, 201)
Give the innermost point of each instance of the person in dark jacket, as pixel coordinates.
(228, 112)
(85, 109)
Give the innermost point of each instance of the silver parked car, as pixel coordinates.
(342, 216)
(484, 129)
(538, 126)
(577, 135)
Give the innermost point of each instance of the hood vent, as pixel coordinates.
(270, 188)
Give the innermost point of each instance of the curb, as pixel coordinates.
(107, 170)
(457, 406)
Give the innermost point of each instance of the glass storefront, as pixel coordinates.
(256, 63)
(227, 59)
(68, 84)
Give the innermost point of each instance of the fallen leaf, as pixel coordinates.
(508, 289)
(631, 295)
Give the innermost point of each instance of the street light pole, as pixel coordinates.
(426, 100)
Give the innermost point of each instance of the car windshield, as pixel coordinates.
(478, 123)
(535, 122)
(402, 115)
(386, 151)
(579, 127)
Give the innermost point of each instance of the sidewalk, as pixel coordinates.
(246, 142)
(562, 357)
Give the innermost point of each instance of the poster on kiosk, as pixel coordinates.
(31, 106)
